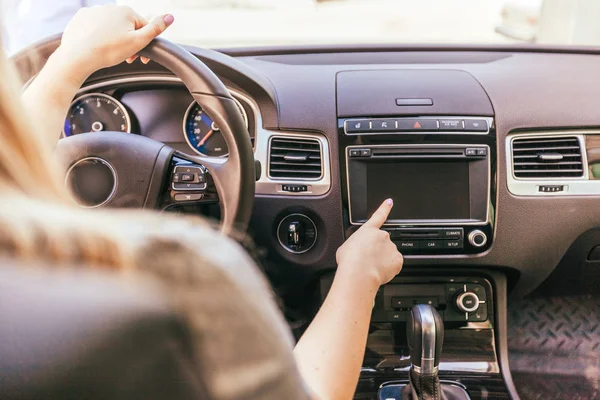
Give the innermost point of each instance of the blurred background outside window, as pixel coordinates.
(239, 23)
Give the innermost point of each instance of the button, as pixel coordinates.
(432, 301)
(397, 316)
(383, 125)
(394, 233)
(471, 152)
(176, 178)
(451, 124)
(482, 152)
(402, 302)
(469, 302)
(453, 244)
(187, 177)
(201, 178)
(453, 233)
(188, 169)
(365, 152)
(415, 125)
(479, 315)
(408, 245)
(354, 153)
(431, 244)
(551, 189)
(358, 125)
(479, 290)
(476, 125)
(188, 196)
(453, 288)
(189, 186)
(414, 102)
(294, 188)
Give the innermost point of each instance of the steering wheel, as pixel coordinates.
(135, 171)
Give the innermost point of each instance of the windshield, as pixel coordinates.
(242, 23)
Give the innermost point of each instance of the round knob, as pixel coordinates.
(477, 238)
(467, 302)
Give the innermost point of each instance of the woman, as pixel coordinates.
(216, 288)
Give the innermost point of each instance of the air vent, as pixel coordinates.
(547, 157)
(295, 158)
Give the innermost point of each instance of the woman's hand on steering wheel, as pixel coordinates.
(103, 36)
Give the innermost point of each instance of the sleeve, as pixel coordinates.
(242, 342)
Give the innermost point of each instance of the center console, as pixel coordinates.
(427, 140)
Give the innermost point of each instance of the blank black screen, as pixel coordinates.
(420, 189)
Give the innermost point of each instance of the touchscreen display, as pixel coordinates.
(424, 189)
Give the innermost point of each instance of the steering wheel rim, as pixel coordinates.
(233, 176)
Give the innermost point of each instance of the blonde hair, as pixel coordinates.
(38, 219)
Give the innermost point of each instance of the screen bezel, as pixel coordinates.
(479, 181)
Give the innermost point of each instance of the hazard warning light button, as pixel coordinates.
(415, 125)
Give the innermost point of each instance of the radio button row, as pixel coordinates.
(410, 245)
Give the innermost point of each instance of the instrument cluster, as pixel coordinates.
(98, 112)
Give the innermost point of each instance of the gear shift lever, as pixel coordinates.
(425, 334)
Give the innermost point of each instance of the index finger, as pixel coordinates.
(380, 216)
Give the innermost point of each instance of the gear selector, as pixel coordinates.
(425, 336)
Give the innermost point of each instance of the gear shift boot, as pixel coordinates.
(450, 391)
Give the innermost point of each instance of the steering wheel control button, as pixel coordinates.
(482, 152)
(476, 125)
(93, 181)
(467, 302)
(358, 126)
(188, 178)
(182, 197)
(477, 238)
(297, 233)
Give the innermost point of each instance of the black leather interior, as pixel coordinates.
(74, 334)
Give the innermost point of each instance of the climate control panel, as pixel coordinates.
(459, 302)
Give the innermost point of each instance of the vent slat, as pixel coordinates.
(547, 158)
(548, 148)
(295, 158)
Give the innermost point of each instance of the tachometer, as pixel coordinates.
(96, 112)
(202, 134)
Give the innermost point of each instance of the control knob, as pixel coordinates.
(477, 238)
(467, 302)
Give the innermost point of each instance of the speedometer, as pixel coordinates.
(202, 133)
(96, 112)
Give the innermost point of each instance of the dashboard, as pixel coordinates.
(459, 113)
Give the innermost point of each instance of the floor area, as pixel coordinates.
(554, 347)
